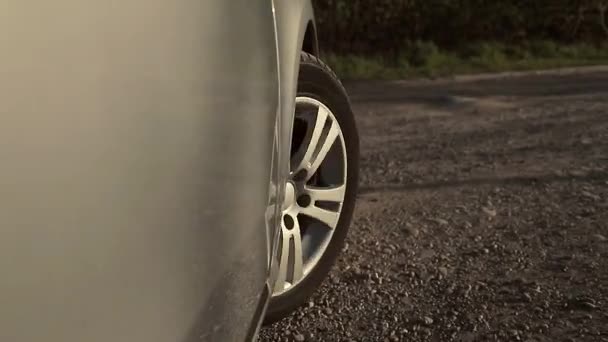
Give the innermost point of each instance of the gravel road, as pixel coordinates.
(482, 216)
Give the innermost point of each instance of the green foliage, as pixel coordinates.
(392, 27)
(422, 53)
(430, 61)
(544, 49)
(489, 56)
(358, 67)
(401, 38)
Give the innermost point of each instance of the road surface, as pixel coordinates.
(482, 216)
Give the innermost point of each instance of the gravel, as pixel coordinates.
(477, 220)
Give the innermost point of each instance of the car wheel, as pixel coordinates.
(321, 189)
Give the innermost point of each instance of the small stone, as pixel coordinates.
(591, 195)
(412, 231)
(600, 238)
(588, 306)
(468, 337)
(440, 221)
(461, 209)
(443, 271)
(328, 311)
(467, 291)
(385, 326)
(577, 173)
(427, 254)
(490, 212)
(428, 320)
(299, 337)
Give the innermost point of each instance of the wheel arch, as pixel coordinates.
(310, 44)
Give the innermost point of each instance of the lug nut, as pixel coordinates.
(304, 201)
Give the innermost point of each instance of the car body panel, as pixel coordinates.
(136, 140)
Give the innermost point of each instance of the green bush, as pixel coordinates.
(421, 53)
(356, 67)
(396, 27)
(544, 49)
(428, 60)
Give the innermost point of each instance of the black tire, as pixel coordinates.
(318, 81)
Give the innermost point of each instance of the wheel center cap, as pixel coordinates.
(290, 196)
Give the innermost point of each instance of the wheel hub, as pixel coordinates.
(290, 197)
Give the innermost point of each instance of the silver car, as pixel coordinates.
(170, 170)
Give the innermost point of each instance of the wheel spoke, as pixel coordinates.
(309, 158)
(330, 218)
(330, 194)
(334, 132)
(298, 271)
(290, 264)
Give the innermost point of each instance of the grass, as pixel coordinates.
(424, 59)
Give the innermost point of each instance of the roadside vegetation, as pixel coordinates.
(364, 39)
(426, 60)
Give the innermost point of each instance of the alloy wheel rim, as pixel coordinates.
(314, 193)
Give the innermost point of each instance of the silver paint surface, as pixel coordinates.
(136, 142)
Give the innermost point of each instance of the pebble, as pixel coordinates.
(411, 230)
(299, 338)
(467, 291)
(600, 238)
(591, 195)
(490, 212)
(588, 306)
(441, 222)
(577, 173)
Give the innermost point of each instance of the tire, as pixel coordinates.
(317, 81)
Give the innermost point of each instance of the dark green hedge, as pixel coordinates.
(390, 27)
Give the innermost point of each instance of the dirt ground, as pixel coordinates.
(482, 216)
